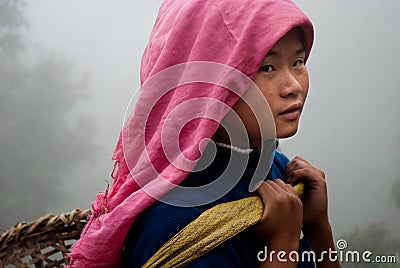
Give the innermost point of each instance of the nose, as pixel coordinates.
(289, 85)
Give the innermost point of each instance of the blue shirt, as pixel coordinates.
(158, 223)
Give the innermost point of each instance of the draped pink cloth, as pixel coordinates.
(234, 33)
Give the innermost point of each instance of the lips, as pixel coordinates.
(292, 112)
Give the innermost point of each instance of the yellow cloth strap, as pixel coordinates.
(213, 227)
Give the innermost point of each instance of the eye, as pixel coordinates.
(298, 63)
(266, 68)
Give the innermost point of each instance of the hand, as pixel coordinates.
(315, 207)
(280, 225)
(315, 198)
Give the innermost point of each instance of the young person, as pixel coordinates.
(167, 140)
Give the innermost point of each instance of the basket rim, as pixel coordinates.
(50, 221)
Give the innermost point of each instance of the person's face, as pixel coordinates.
(283, 80)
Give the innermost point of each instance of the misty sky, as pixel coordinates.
(350, 126)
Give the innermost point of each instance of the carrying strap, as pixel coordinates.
(213, 227)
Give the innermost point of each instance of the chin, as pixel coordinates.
(286, 133)
(286, 129)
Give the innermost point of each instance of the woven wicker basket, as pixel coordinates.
(43, 242)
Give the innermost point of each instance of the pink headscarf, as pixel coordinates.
(238, 34)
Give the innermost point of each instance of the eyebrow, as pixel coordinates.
(298, 51)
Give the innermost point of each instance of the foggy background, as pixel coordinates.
(350, 126)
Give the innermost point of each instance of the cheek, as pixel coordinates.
(273, 99)
(267, 91)
(305, 84)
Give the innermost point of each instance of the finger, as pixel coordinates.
(284, 186)
(286, 191)
(270, 190)
(310, 176)
(298, 159)
(267, 195)
(295, 163)
(276, 184)
(299, 163)
(300, 173)
(266, 191)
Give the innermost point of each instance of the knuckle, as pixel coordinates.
(280, 198)
(261, 185)
(264, 184)
(298, 158)
(262, 188)
(297, 202)
(287, 197)
(299, 205)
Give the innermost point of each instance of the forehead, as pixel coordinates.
(292, 42)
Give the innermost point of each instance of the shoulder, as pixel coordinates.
(278, 166)
(154, 227)
(157, 224)
(280, 159)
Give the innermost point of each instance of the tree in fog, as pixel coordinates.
(375, 238)
(41, 139)
(395, 191)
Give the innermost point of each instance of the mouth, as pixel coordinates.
(292, 112)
